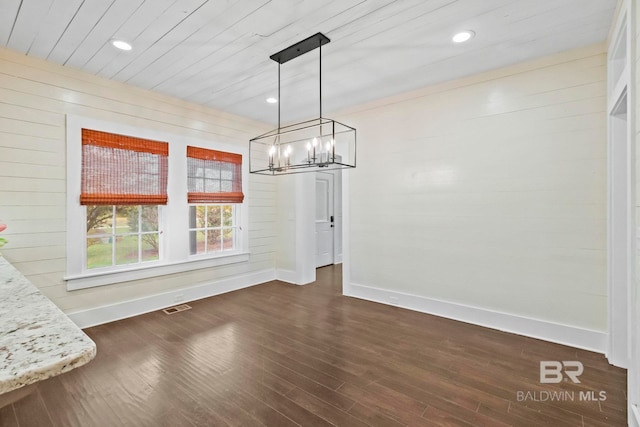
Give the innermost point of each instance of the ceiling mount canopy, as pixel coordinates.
(309, 146)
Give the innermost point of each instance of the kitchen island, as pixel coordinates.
(37, 340)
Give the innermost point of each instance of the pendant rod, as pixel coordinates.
(279, 100)
(320, 78)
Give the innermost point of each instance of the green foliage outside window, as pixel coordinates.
(119, 235)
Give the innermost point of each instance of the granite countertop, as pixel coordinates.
(37, 340)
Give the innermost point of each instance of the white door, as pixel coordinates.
(324, 219)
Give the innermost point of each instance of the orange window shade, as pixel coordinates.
(123, 170)
(214, 176)
(221, 156)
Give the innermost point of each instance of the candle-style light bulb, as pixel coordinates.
(272, 151)
(333, 150)
(308, 152)
(314, 142)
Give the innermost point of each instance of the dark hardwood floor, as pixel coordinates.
(284, 355)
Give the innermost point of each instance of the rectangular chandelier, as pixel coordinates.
(309, 146)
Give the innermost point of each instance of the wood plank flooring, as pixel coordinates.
(284, 355)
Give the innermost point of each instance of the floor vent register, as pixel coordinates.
(177, 309)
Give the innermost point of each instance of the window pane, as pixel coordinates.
(191, 183)
(199, 185)
(99, 252)
(322, 200)
(126, 250)
(197, 240)
(211, 186)
(213, 216)
(213, 240)
(127, 219)
(218, 232)
(150, 247)
(227, 212)
(196, 216)
(226, 186)
(149, 218)
(212, 173)
(226, 171)
(228, 238)
(99, 219)
(192, 217)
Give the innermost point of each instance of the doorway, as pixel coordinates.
(325, 219)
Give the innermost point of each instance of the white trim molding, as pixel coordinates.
(539, 329)
(90, 280)
(135, 307)
(287, 276)
(635, 413)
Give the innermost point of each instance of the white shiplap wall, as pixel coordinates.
(490, 193)
(35, 96)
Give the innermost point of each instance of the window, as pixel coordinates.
(122, 235)
(133, 205)
(214, 176)
(212, 228)
(124, 180)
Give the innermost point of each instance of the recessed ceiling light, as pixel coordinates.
(272, 100)
(463, 36)
(121, 44)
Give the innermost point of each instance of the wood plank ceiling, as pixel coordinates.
(216, 52)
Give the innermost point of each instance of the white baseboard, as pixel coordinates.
(288, 276)
(135, 307)
(634, 417)
(547, 331)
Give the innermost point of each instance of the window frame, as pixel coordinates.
(173, 218)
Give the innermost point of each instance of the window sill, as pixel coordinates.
(93, 279)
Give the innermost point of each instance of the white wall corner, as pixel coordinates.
(346, 236)
(548, 331)
(122, 310)
(634, 416)
(305, 228)
(615, 358)
(288, 276)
